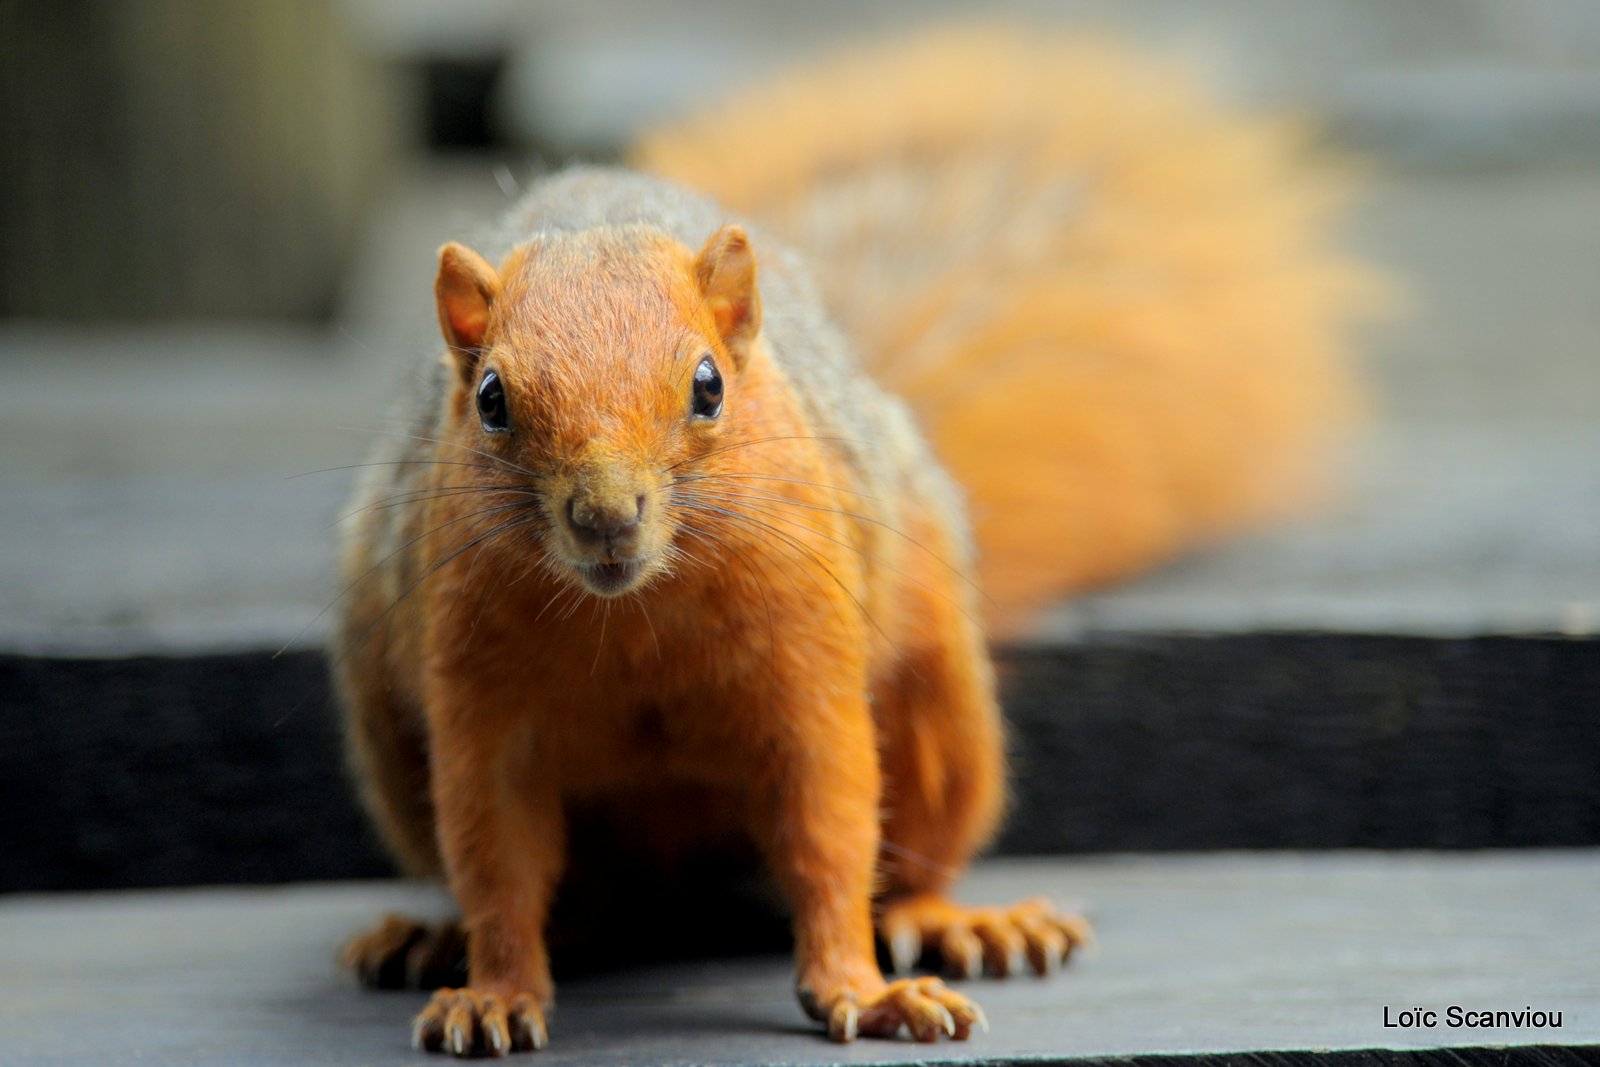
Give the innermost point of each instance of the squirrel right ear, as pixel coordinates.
(726, 271)
(465, 289)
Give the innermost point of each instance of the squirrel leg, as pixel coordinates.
(502, 835)
(385, 744)
(818, 819)
(944, 770)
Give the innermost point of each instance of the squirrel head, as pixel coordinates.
(592, 369)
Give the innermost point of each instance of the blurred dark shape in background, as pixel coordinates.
(456, 95)
(172, 158)
(167, 159)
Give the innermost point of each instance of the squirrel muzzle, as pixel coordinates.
(608, 524)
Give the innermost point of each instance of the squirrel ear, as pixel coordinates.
(726, 273)
(466, 287)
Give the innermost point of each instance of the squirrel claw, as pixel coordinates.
(923, 1006)
(464, 1022)
(1031, 936)
(905, 947)
(844, 1021)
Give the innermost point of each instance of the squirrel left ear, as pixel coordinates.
(465, 289)
(726, 272)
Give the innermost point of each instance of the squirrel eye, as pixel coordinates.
(707, 390)
(492, 403)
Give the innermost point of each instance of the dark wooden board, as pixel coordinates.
(226, 768)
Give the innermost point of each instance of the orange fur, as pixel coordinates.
(1110, 312)
(1109, 301)
(786, 624)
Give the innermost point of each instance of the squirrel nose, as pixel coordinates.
(608, 522)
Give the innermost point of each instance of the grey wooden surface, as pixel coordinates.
(1201, 953)
(179, 514)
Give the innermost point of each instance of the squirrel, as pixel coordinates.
(670, 526)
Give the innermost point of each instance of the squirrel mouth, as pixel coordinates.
(610, 579)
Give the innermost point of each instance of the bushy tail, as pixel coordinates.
(1110, 303)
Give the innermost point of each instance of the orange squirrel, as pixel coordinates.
(660, 543)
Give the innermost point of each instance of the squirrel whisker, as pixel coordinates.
(740, 476)
(751, 523)
(736, 445)
(947, 597)
(389, 463)
(500, 463)
(366, 631)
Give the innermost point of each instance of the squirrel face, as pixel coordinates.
(590, 368)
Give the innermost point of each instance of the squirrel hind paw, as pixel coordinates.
(966, 942)
(403, 953)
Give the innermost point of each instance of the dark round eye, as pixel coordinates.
(707, 390)
(492, 403)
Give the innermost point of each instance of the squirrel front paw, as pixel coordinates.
(465, 1022)
(924, 1006)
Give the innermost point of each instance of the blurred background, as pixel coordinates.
(217, 236)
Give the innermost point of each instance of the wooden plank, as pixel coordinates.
(226, 768)
(1198, 956)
